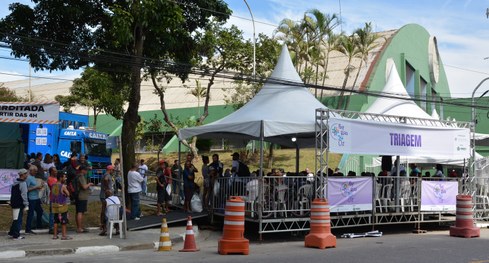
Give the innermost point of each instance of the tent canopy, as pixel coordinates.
(399, 103)
(282, 109)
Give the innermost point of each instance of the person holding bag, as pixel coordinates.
(163, 181)
(19, 204)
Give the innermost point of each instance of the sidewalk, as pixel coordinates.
(88, 243)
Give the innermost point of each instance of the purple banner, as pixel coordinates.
(7, 179)
(350, 194)
(439, 195)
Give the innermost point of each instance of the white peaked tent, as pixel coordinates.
(282, 109)
(435, 115)
(399, 103)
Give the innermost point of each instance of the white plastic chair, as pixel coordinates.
(405, 196)
(114, 218)
(280, 203)
(252, 189)
(303, 199)
(386, 196)
(481, 197)
(378, 195)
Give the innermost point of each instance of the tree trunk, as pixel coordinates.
(95, 114)
(325, 72)
(131, 117)
(354, 82)
(166, 117)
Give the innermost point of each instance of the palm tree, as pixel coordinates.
(348, 46)
(366, 43)
(331, 43)
(289, 32)
(323, 26)
(199, 92)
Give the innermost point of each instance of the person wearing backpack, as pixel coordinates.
(19, 204)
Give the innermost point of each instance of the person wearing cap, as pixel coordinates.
(19, 203)
(105, 184)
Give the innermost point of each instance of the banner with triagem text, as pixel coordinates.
(29, 112)
(349, 194)
(439, 195)
(355, 136)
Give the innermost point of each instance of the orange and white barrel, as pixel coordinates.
(320, 226)
(464, 220)
(233, 241)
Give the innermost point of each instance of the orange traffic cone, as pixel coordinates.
(165, 241)
(189, 245)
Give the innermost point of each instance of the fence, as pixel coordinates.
(281, 204)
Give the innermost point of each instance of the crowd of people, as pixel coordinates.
(58, 184)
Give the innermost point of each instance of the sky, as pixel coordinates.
(460, 26)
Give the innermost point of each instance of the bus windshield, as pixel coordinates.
(96, 148)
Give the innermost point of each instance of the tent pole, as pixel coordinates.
(260, 180)
(297, 159)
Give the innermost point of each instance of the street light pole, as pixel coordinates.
(254, 41)
(474, 121)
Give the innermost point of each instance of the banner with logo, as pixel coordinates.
(439, 195)
(379, 138)
(350, 194)
(7, 179)
(29, 112)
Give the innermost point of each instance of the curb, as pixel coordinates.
(92, 250)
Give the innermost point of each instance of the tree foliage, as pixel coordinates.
(96, 91)
(8, 95)
(119, 37)
(246, 87)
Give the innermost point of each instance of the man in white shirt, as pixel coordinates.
(111, 211)
(142, 169)
(134, 189)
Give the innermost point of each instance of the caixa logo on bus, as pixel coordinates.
(96, 135)
(65, 154)
(69, 133)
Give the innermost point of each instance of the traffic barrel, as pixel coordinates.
(320, 234)
(464, 220)
(165, 241)
(233, 241)
(189, 244)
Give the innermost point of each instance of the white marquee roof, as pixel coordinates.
(284, 106)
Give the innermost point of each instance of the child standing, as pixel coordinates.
(59, 197)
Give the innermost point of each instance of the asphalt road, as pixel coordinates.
(436, 246)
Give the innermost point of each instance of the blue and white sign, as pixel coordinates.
(379, 138)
